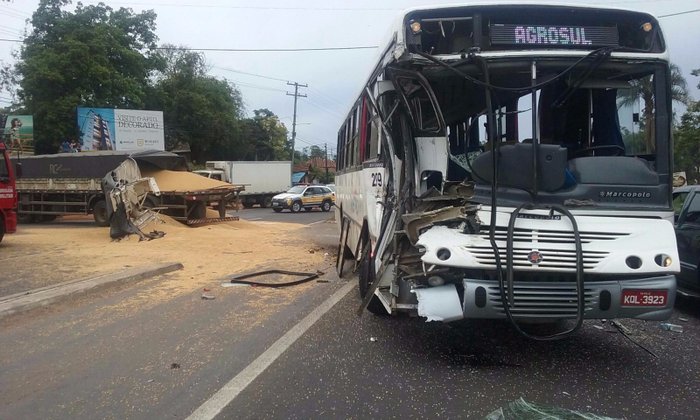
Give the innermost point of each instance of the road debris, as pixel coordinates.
(373, 339)
(306, 277)
(683, 319)
(208, 296)
(626, 333)
(671, 327)
(521, 409)
(174, 366)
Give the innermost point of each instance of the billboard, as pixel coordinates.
(120, 129)
(18, 132)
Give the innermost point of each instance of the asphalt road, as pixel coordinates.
(372, 367)
(86, 358)
(268, 215)
(92, 356)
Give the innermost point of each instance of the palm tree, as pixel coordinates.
(643, 89)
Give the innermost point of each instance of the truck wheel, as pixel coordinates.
(2, 229)
(277, 209)
(266, 202)
(25, 218)
(197, 211)
(296, 207)
(99, 213)
(326, 206)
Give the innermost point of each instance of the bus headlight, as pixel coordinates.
(663, 260)
(415, 26)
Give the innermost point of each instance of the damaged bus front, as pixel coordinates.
(513, 161)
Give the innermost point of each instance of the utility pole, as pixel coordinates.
(296, 95)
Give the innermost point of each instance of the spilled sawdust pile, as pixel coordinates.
(209, 253)
(182, 181)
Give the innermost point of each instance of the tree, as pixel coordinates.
(199, 110)
(686, 151)
(94, 57)
(265, 137)
(643, 89)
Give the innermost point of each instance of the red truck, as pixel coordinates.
(8, 194)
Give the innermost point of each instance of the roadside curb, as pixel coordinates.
(46, 295)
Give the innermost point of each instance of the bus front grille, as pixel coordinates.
(543, 300)
(551, 258)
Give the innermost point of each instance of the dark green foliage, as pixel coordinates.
(95, 56)
(687, 142)
(265, 138)
(199, 110)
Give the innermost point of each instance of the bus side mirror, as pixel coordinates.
(18, 170)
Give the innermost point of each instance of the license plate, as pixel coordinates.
(644, 297)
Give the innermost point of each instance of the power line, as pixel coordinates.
(250, 74)
(237, 83)
(221, 6)
(329, 111)
(680, 13)
(361, 47)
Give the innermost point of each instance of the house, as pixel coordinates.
(314, 171)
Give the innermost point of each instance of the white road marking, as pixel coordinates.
(213, 406)
(315, 223)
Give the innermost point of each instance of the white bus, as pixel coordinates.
(513, 161)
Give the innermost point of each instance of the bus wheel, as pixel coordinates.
(99, 213)
(326, 206)
(296, 207)
(375, 306)
(2, 229)
(266, 202)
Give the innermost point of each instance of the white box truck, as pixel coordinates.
(262, 179)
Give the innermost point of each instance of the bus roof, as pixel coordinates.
(395, 45)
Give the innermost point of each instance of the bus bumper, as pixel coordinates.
(644, 298)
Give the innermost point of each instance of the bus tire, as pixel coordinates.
(2, 228)
(266, 202)
(375, 306)
(99, 213)
(326, 206)
(296, 207)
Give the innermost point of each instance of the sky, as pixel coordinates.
(334, 77)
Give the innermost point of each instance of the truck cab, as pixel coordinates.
(8, 194)
(212, 174)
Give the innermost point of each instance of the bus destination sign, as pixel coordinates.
(545, 35)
